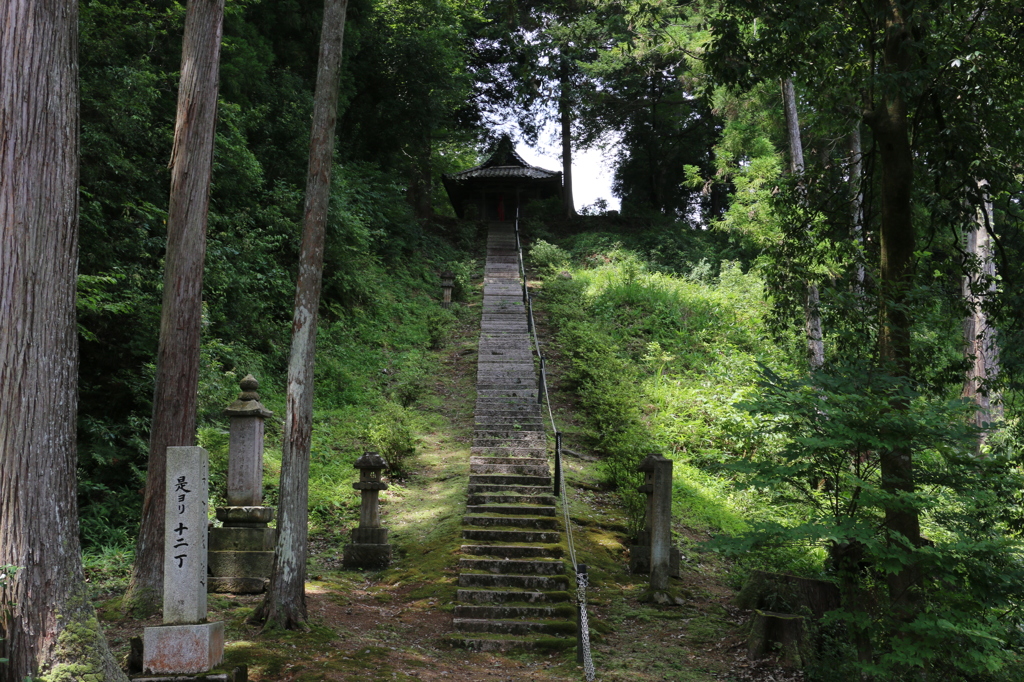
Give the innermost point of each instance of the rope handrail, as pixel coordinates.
(579, 570)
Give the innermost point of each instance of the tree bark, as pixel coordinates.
(565, 119)
(285, 603)
(47, 623)
(890, 124)
(857, 200)
(177, 363)
(979, 338)
(812, 311)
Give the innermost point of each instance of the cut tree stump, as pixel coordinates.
(783, 635)
(783, 608)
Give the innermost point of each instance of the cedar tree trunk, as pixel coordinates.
(177, 363)
(285, 603)
(890, 124)
(47, 624)
(812, 312)
(565, 119)
(857, 199)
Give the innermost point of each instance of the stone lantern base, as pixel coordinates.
(241, 552)
(368, 549)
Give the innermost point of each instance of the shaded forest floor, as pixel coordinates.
(394, 624)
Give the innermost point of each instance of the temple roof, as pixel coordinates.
(504, 171)
(504, 163)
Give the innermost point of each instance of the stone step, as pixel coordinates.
(506, 367)
(509, 325)
(539, 470)
(478, 499)
(477, 488)
(499, 422)
(513, 596)
(498, 337)
(513, 551)
(525, 522)
(507, 451)
(509, 460)
(524, 582)
(511, 434)
(529, 411)
(530, 394)
(508, 380)
(511, 509)
(507, 644)
(519, 402)
(515, 627)
(510, 479)
(505, 611)
(511, 377)
(514, 566)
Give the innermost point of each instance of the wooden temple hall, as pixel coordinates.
(499, 187)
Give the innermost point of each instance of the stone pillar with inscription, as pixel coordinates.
(242, 551)
(654, 554)
(186, 643)
(369, 547)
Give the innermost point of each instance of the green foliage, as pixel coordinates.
(544, 255)
(656, 361)
(390, 433)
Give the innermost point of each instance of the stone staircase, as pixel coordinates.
(513, 586)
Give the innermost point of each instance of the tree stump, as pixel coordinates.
(784, 607)
(784, 635)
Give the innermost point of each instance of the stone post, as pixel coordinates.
(447, 284)
(242, 551)
(654, 553)
(658, 474)
(369, 548)
(185, 643)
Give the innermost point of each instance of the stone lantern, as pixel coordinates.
(447, 284)
(369, 547)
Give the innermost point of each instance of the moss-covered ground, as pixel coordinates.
(394, 624)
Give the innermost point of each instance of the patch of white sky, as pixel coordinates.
(592, 169)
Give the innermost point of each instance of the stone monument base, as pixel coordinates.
(367, 556)
(239, 674)
(242, 551)
(238, 585)
(640, 560)
(184, 649)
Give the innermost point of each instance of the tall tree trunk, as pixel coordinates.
(285, 603)
(979, 338)
(812, 311)
(565, 119)
(890, 124)
(177, 363)
(857, 200)
(47, 624)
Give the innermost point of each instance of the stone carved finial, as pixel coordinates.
(249, 386)
(248, 403)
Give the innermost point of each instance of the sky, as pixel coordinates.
(591, 169)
